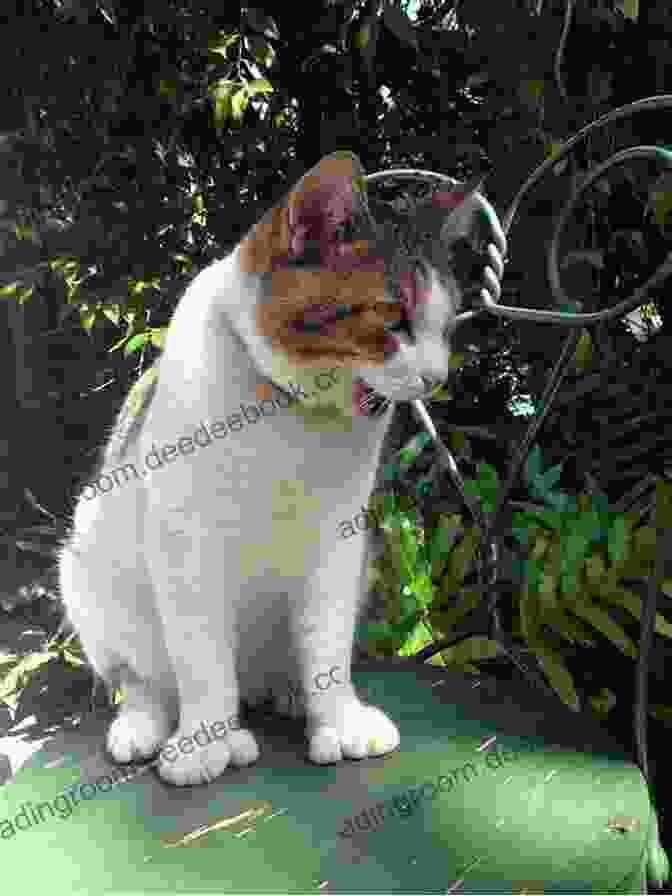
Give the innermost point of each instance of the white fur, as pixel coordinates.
(222, 575)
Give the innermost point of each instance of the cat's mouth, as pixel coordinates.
(366, 401)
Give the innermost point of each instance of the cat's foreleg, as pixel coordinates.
(197, 592)
(338, 724)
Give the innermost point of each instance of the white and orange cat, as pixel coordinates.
(214, 573)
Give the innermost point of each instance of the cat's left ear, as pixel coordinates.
(329, 198)
(332, 194)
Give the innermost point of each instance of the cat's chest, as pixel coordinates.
(263, 464)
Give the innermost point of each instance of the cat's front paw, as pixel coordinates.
(355, 731)
(137, 734)
(202, 764)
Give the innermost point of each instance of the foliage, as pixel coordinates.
(579, 557)
(139, 141)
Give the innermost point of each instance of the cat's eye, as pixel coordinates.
(403, 325)
(311, 257)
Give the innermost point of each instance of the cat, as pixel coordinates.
(211, 579)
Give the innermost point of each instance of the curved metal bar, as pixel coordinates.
(449, 463)
(637, 152)
(488, 576)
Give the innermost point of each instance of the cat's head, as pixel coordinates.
(348, 282)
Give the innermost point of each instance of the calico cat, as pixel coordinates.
(215, 575)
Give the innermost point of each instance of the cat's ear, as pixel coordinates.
(328, 198)
(470, 226)
(330, 195)
(465, 206)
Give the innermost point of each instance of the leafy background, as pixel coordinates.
(138, 141)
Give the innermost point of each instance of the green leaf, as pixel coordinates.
(221, 93)
(184, 263)
(362, 37)
(539, 546)
(222, 42)
(20, 672)
(72, 659)
(391, 472)
(533, 572)
(87, 318)
(528, 608)
(558, 676)
(443, 538)
(25, 294)
(410, 452)
(595, 569)
(661, 712)
(517, 569)
(618, 546)
(663, 505)
(462, 556)
(457, 442)
(533, 464)
(603, 702)
(379, 631)
(113, 313)
(10, 289)
(239, 103)
(551, 477)
(475, 649)
(487, 475)
(568, 627)
(472, 488)
(408, 604)
(561, 502)
(645, 542)
(136, 343)
(600, 502)
(424, 487)
(222, 110)
(259, 86)
(168, 88)
(569, 580)
(404, 627)
(420, 637)
(409, 551)
(456, 362)
(584, 608)
(623, 597)
(573, 547)
(583, 356)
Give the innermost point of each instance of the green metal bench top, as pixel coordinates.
(494, 789)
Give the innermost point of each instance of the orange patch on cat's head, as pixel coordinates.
(325, 198)
(357, 339)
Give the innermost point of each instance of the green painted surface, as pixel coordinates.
(521, 813)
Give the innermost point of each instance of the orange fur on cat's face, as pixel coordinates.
(349, 274)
